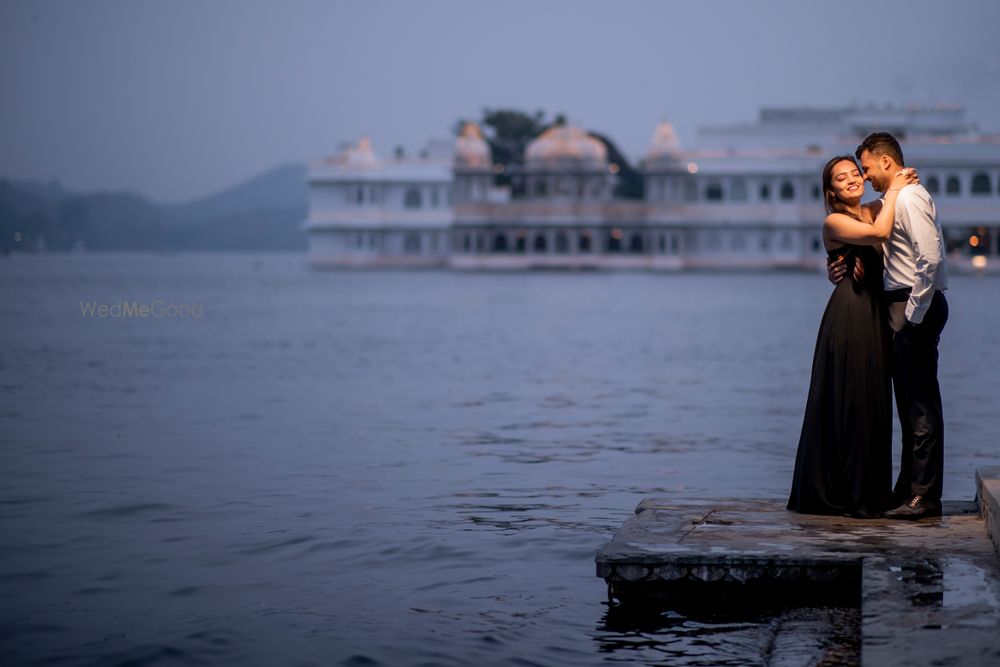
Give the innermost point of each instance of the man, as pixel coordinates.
(915, 280)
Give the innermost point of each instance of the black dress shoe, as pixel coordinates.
(916, 507)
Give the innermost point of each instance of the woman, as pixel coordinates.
(844, 460)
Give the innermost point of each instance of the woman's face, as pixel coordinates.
(846, 181)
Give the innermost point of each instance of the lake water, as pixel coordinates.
(398, 468)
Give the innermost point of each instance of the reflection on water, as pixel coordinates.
(397, 468)
(796, 636)
(923, 582)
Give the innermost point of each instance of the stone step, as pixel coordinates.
(928, 589)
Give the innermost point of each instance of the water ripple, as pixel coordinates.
(398, 468)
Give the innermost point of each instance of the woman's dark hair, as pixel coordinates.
(833, 204)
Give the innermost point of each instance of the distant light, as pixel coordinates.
(974, 241)
(692, 167)
(498, 169)
(979, 261)
(616, 233)
(17, 237)
(614, 168)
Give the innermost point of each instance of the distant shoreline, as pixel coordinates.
(957, 265)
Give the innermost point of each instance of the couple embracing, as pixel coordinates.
(879, 333)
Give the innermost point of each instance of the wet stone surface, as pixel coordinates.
(988, 498)
(928, 590)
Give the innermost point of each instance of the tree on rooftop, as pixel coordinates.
(509, 131)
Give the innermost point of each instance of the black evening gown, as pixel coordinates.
(844, 461)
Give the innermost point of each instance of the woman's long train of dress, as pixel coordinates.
(844, 460)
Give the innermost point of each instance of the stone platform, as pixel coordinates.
(929, 590)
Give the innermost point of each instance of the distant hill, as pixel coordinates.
(263, 213)
(276, 189)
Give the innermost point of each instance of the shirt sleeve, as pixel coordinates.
(917, 218)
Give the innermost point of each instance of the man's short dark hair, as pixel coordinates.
(881, 143)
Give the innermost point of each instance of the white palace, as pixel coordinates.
(745, 197)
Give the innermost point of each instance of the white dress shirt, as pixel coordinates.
(915, 252)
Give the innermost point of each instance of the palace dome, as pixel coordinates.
(472, 150)
(563, 144)
(361, 155)
(665, 143)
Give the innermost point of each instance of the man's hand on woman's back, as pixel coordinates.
(836, 269)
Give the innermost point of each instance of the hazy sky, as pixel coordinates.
(177, 99)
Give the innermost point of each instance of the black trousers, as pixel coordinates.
(918, 399)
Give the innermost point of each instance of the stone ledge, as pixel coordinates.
(988, 499)
(928, 590)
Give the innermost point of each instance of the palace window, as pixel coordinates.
(411, 244)
(359, 196)
(412, 198)
(817, 192)
(541, 244)
(521, 242)
(434, 197)
(540, 188)
(952, 186)
(500, 242)
(933, 185)
(713, 192)
(765, 192)
(981, 184)
(635, 244)
(585, 243)
(663, 244)
(467, 242)
(614, 243)
(787, 191)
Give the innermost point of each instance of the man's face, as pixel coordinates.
(874, 169)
